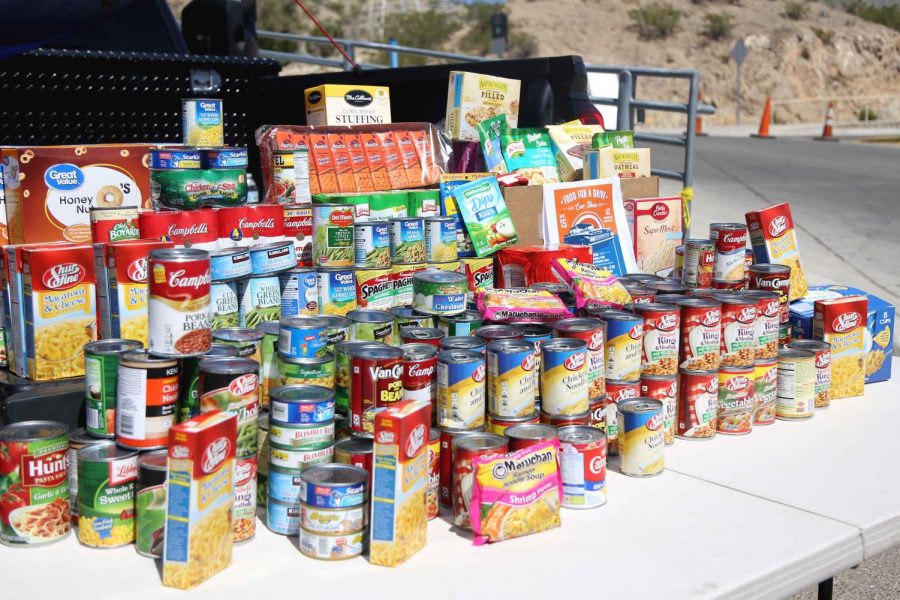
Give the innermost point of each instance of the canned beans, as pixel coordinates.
(659, 355)
(179, 302)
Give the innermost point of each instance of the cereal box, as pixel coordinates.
(347, 105)
(570, 141)
(52, 188)
(59, 309)
(880, 326)
(842, 323)
(657, 227)
(485, 215)
(774, 240)
(626, 163)
(399, 482)
(473, 98)
(200, 496)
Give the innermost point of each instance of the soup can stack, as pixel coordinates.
(334, 511)
(301, 434)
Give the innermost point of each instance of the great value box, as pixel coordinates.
(879, 337)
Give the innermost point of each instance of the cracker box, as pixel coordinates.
(52, 188)
(399, 481)
(657, 228)
(880, 324)
(200, 495)
(473, 98)
(842, 323)
(347, 105)
(774, 240)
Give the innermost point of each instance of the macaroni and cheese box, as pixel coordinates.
(842, 323)
(347, 105)
(199, 499)
(657, 226)
(50, 189)
(473, 98)
(880, 324)
(58, 309)
(399, 481)
(774, 240)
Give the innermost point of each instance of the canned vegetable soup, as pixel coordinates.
(229, 263)
(106, 480)
(150, 503)
(439, 292)
(179, 307)
(101, 370)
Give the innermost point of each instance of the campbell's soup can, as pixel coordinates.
(420, 372)
(730, 240)
(665, 389)
(564, 381)
(735, 412)
(593, 332)
(195, 229)
(698, 404)
(179, 309)
(376, 381)
(617, 390)
(461, 377)
(659, 355)
(465, 448)
(582, 463)
(641, 444)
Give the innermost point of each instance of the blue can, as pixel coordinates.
(302, 337)
(230, 263)
(334, 486)
(260, 300)
(283, 518)
(223, 158)
(337, 290)
(301, 404)
(407, 240)
(371, 245)
(273, 258)
(284, 485)
(299, 292)
(440, 239)
(165, 158)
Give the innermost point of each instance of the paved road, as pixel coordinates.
(845, 198)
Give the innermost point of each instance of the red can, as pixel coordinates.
(659, 351)
(665, 389)
(617, 390)
(738, 346)
(701, 334)
(298, 228)
(699, 260)
(582, 459)
(355, 451)
(433, 492)
(422, 335)
(735, 414)
(187, 228)
(640, 294)
(566, 420)
(774, 278)
(526, 436)
(731, 245)
(698, 404)
(446, 462)
(419, 373)
(593, 332)
(376, 376)
(597, 412)
(251, 225)
(768, 308)
(114, 224)
(179, 302)
(748, 262)
(734, 286)
(706, 292)
(466, 448)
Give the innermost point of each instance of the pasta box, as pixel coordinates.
(842, 323)
(52, 188)
(774, 240)
(347, 105)
(657, 228)
(879, 335)
(473, 98)
(399, 479)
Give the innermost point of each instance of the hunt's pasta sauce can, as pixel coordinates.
(564, 381)
(641, 443)
(461, 378)
(582, 462)
(179, 309)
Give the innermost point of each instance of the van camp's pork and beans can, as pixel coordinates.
(698, 404)
(774, 278)
(35, 507)
(582, 461)
(146, 400)
(461, 376)
(101, 371)
(735, 413)
(593, 332)
(661, 338)
(641, 443)
(420, 372)
(376, 381)
(106, 482)
(179, 308)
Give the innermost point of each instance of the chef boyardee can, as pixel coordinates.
(641, 443)
(302, 337)
(302, 405)
(101, 371)
(106, 479)
(511, 378)
(439, 292)
(405, 316)
(462, 324)
(372, 245)
(371, 325)
(461, 376)
(150, 503)
(334, 486)
(306, 371)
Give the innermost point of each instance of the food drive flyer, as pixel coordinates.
(591, 213)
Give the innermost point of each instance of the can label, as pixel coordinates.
(314, 372)
(767, 328)
(332, 235)
(374, 383)
(374, 289)
(775, 280)
(583, 471)
(420, 379)
(595, 341)
(701, 337)
(302, 341)
(512, 378)
(730, 254)
(243, 525)
(402, 277)
(284, 486)
(440, 240)
(147, 400)
(332, 547)
(624, 345)
(273, 258)
(260, 300)
(100, 374)
(408, 241)
(179, 309)
(765, 389)
(230, 265)
(796, 395)
(698, 404)
(299, 459)
(225, 305)
(237, 393)
(337, 292)
(617, 391)
(564, 385)
(299, 294)
(461, 394)
(302, 437)
(150, 520)
(738, 346)
(372, 243)
(735, 415)
(664, 389)
(106, 502)
(334, 521)
(641, 444)
(661, 336)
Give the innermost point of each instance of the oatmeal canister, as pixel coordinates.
(765, 389)
(101, 371)
(735, 413)
(822, 351)
(582, 462)
(564, 369)
(641, 444)
(796, 396)
(698, 404)
(593, 332)
(179, 309)
(624, 343)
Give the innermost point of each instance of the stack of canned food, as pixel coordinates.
(334, 511)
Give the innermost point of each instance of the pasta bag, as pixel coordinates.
(516, 494)
(591, 285)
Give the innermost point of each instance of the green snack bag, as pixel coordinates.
(490, 131)
(528, 153)
(486, 216)
(616, 139)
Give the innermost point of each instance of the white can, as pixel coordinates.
(334, 521)
(332, 547)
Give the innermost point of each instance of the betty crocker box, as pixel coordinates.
(880, 324)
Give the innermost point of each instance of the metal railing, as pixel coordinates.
(872, 110)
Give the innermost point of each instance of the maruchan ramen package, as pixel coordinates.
(842, 323)
(527, 152)
(569, 142)
(490, 131)
(473, 98)
(516, 494)
(485, 215)
(591, 284)
(399, 482)
(774, 240)
(517, 304)
(200, 496)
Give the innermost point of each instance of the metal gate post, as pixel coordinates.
(623, 104)
(687, 192)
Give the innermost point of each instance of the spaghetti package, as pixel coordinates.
(592, 285)
(516, 494)
(519, 304)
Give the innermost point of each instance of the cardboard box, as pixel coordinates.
(657, 228)
(842, 323)
(525, 204)
(880, 324)
(473, 98)
(347, 105)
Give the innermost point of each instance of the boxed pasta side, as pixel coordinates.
(50, 190)
(58, 309)
(657, 227)
(842, 323)
(774, 240)
(880, 325)
(199, 499)
(399, 481)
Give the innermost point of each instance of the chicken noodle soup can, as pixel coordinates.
(624, 342)
(339, 546)
(698, 404)
(376, 381)
(641, 443)
(179, 306)
(301, 405)
(765, 389)
(822, 352)
(150, 503)
(371, 325)
(334, 521)
(735, 413)
(796, 393)
(437, 292)
(273, 258)
(146, 400)
(564, 382)
(106, 481)
(593, 332)
(101, 371)
(617, 390)
(582, 462)
(334, 486)
(665, 389)
(461, 376)
(465, 448)
(512, 377)
(407, 240)
(35, 507)
(332, 235)
(372, 245)
(314, 436)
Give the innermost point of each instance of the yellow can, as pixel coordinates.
(564, 381)
(641, 441)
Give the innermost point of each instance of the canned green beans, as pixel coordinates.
(101, 370)
(150, 503)
(106, 479)
(332, 235)
(407, 240)
(372, 242)
(226, 310)
(260, 300)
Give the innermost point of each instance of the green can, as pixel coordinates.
(463, 324)
(260, 300)
(332, 235)
(306, 371)
(405, 316)
(268, 370)
(101, 369)
(106, 479)
(150, 503)
(189, 386)
(188, 189)
(371, 325)
(337, 330)
(342, 374)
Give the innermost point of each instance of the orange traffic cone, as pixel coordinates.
(828, 129)
(764, 122)
(698, 122)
